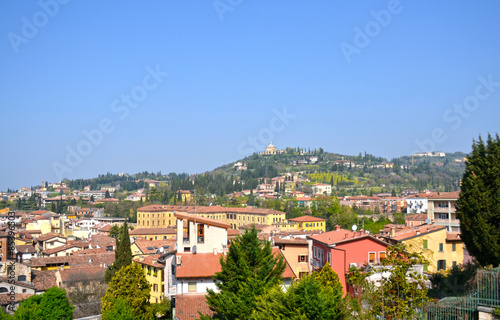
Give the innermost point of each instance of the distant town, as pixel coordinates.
(312, 206)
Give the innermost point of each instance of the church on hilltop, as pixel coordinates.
(271, 149)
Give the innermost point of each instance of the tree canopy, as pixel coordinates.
(123, 253)
(478, 206)
(52, 304)
(249, 269)
(131, 285)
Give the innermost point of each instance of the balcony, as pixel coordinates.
(446, 221)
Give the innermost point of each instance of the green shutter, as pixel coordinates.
(425, 243)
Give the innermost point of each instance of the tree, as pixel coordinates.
(399, 295)
(123, 253)
(114, 231)
(52, 304)
(478, 206)
(131, 285)
(120, 310)
(317, 296)
(107, 195)
(248, 270)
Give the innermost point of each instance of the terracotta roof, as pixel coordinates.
(199, 265)
(445, 195)
(412, 232)
(417, 216)
(298, 241)
(39, 212)
(17, 283)
(188, 305)
(232, 232)
(307, 219)
(157, 208)
(341, 235)
(49, 236)
(144, 244)
(102, 240)
(144, 231)
(91, 251)
(26, 249)
(43, 280)
(453, 236)
(107, 258)
(90, 273)
(59, 249)
(5, 298)
(106, 228)
(192, 217)
(148, 260)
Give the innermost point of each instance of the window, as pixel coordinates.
(201, 233)
(381, 255)
(441, 247)
(441, 265)
(454, 247)
(454, 264)
(303, 258)
(443, 216)
(328, 258)
(353, 264)
(371, 257)
(21, 278)
(426, 267)
(191, 286)
(425, 244)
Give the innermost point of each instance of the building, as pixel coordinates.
(443, 250)
(322, 188)
(343, 249)
(153, 233)
(441, 210)
(296, 253)
(154, 216)
(309, 223)
(154, 270)
(271, 149)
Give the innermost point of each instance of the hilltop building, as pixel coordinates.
(271, 149)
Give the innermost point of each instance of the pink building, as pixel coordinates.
(343, 249)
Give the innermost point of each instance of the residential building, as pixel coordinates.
(442, 210)
(296, 253)
(309, 223)
(153, 233)
(322, 188)
(154, 270)
(343, 249)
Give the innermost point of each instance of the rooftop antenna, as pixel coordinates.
(354, 227)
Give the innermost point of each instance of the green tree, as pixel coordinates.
(131, 285)
(313, 297)
(52, 304)
(120, 310)
(399, 295)
(123, 254)
(478, 206)
(107, 195)
(248, 270)
(114, 231)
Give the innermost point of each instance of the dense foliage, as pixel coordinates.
(249, 269)
(123, 253)
(478, 206)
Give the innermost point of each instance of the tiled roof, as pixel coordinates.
(144, 231)
(445, 195)
(5, 298)
(39, 212)
(26, 249)
(106, 228)
(102, 240)
(149, 261)
(232, 232)
(144, 244)
(17, 283)
(188, 305)
(307, 219)
(43, 280)
(199, 265)
(298, 241)
(107, 258)
(90, 273)
(59, 249)
(212, 222)
(340, 235)
(411, 232)
(49, 236)
(453, 236)
(157, 208)
(417, 216)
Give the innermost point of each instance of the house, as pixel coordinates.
(415, 220)
(442, 211)
(185, 195)
(322, 188)
(154, 268)
(136, 196)
(343, 249)
(142, 247)
(296, 253)
(443, 250)
(309, 223)
(49, 241)
(52, 263)
(25, 252)
(416, 204)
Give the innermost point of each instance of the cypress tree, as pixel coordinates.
(123, 253)
(478, 206)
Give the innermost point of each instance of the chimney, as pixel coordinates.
(393, 232)
(361, 232)
(337, 228)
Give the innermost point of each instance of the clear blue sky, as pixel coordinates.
(184, 86)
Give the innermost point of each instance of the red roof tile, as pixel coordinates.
(199, 265)
(188, 305)
(144, 231)
(307, 219)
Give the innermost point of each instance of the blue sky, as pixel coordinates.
(186, 86)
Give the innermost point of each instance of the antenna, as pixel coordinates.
(427, 221)
(354, 227)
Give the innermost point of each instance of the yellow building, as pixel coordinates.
(154, 216)
(185, 195)
(154, 233)
(443, 250)
(154, 271)
(309, 223)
